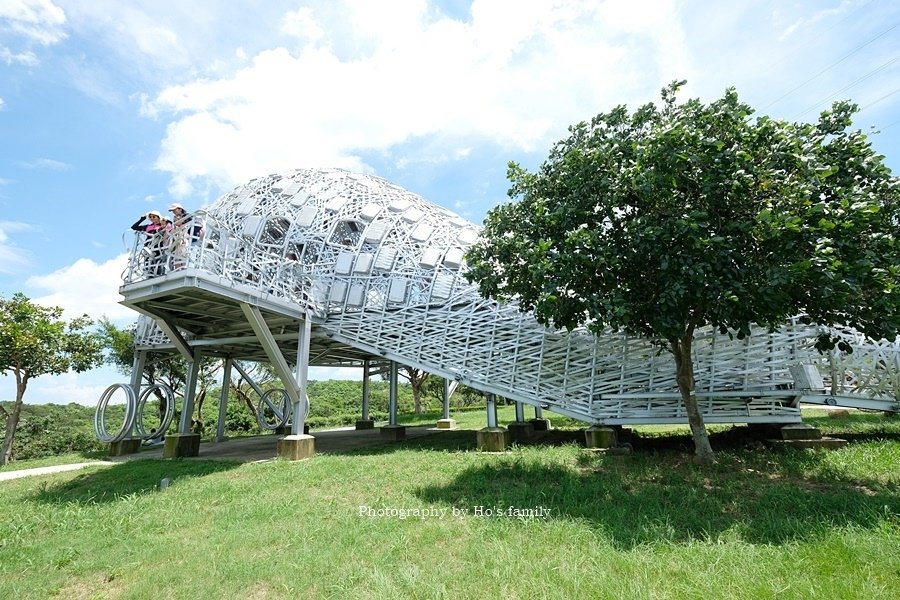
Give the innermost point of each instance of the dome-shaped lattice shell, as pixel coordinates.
(337, 241)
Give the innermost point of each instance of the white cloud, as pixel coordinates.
(27, 58)
(39, 21)
(81, 388)
(369, 79)
(45, 163)
(12, 258)
(84, 287)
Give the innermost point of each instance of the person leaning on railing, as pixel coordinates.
(154, 231)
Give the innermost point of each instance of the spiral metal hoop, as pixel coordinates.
(281, 412)
(167, 417)
(100, 414)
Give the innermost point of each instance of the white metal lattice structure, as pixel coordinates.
(381, 270)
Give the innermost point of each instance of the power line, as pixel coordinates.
(888, 95)
(832, 65)
(848, 86)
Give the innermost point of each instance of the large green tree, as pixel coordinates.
(686, 215)
(35, 341)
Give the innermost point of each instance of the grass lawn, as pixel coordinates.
(759, 524)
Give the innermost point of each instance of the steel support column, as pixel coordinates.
(520, 412)
(491, 401)
(365, 391)
(137, 376)
(301, 402)
(445, 407)
(392, 394)
(273, 353)
(223, 400)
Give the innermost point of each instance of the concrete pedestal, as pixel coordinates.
(126, 446)
(365, 424)
(286, 430)
(519, 431)
(493, 439)
(600, 437)
(296, 447)
(800, 431)
(541, 424)
(179, 445)
(393, 433)
(446, 424)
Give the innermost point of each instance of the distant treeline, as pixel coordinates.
(52, 429)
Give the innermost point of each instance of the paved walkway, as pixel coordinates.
(246, 449)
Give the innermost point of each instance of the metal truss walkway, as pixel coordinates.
(374, 273)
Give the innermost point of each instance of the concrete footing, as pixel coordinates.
(181, 445)
(519, 431)
(800, 431)
(296, 447)
(493, 439)
(446, 424)
(393, 433)
(541, 424)
(286, 430)
(126, 446)
(365, 424)
(600, 437)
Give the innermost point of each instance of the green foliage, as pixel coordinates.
(676, 217)
(684, 215)
(51, 429)
(35, 341)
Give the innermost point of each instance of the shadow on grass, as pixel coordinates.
(665, 498)
(110, 484)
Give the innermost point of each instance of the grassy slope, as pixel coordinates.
(760, 524)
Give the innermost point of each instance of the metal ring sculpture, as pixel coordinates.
(100, 414)
(167, 417)
(282, 412)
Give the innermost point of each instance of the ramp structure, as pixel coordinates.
(329, 267)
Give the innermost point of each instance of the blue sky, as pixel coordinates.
(111, 108)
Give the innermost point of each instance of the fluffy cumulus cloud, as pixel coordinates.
(355, 77)
(84, 287)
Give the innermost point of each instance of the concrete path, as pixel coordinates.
(5, 475)
(247, 449)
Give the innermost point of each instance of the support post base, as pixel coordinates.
(365, 424)
(600, 437)
(180, 445)
(126, 446)
(286, 430)
(519, 431)
(493, 439)
(446, 424)
(296, 447)
(394, 433)
(541, 424)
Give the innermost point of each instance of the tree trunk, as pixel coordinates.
(417, 399)
(684, 365)
(12, 421)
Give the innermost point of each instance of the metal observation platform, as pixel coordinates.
(329, 267)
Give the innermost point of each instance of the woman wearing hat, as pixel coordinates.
(155, 231)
